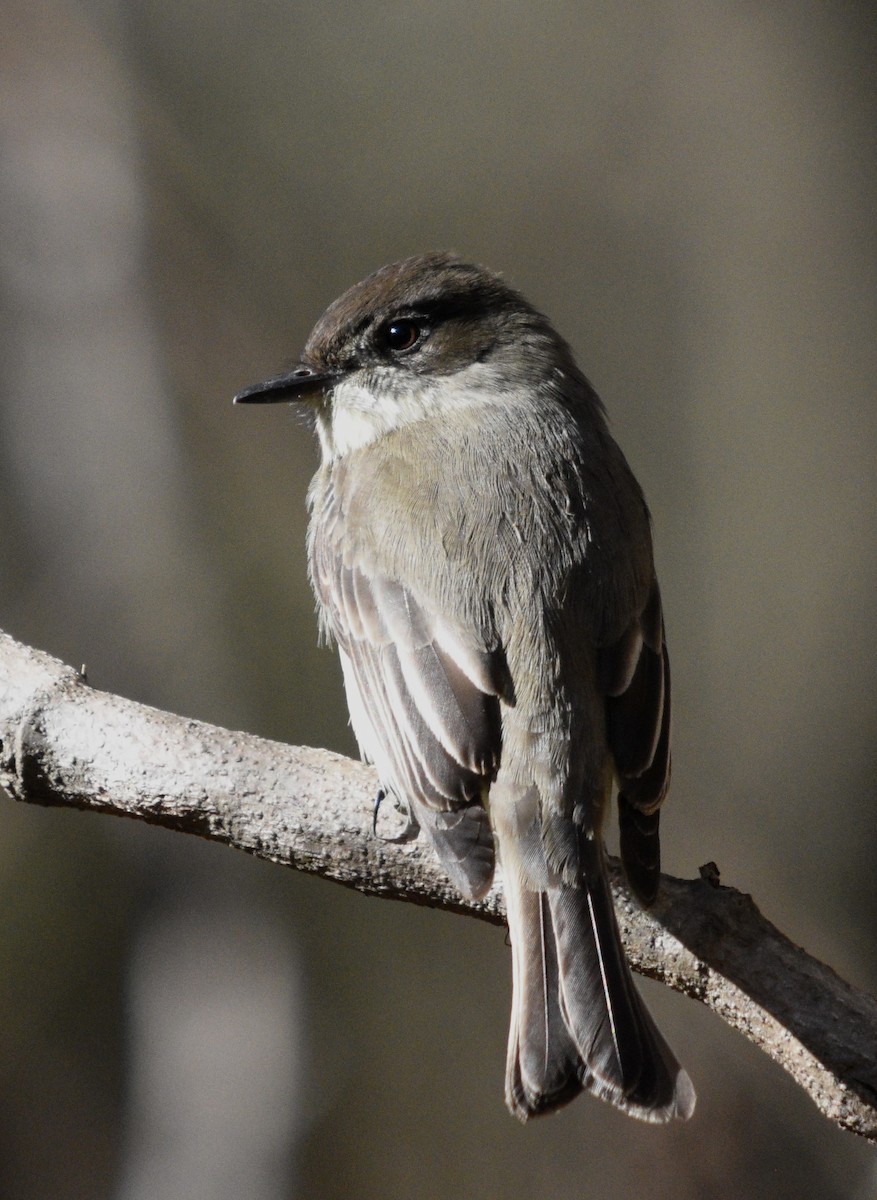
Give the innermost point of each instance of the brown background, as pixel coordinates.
(688, 189)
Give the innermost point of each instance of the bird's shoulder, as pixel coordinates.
(534, 496)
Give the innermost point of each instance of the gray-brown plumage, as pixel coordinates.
(481, 554)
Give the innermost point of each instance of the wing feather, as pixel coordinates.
(634, 674)
(425, 706)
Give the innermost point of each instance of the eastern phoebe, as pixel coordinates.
(481, 554)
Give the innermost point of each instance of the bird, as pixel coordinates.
(481, 555)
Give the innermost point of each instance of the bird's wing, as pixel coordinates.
(425, 706)
(634, 675)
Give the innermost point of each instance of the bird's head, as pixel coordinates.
(418, 338)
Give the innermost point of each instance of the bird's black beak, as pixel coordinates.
(300, 383)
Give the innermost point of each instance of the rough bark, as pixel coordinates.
(63, 743)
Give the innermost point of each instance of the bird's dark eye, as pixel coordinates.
(401, 335)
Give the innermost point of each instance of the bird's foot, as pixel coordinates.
(408, 831)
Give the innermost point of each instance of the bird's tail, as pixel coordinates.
(577, 1019)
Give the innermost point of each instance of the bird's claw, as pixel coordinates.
(411, 828)
(379, 800)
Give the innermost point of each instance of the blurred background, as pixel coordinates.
(688, 189)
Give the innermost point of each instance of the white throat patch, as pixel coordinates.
(357, 414)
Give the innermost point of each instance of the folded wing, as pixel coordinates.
(635, 678)
(424, 700)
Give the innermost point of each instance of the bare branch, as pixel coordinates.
(63, 743)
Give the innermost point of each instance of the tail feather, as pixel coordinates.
(541, 1048)
(578, 1021)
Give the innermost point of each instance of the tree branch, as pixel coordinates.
(63, 743)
